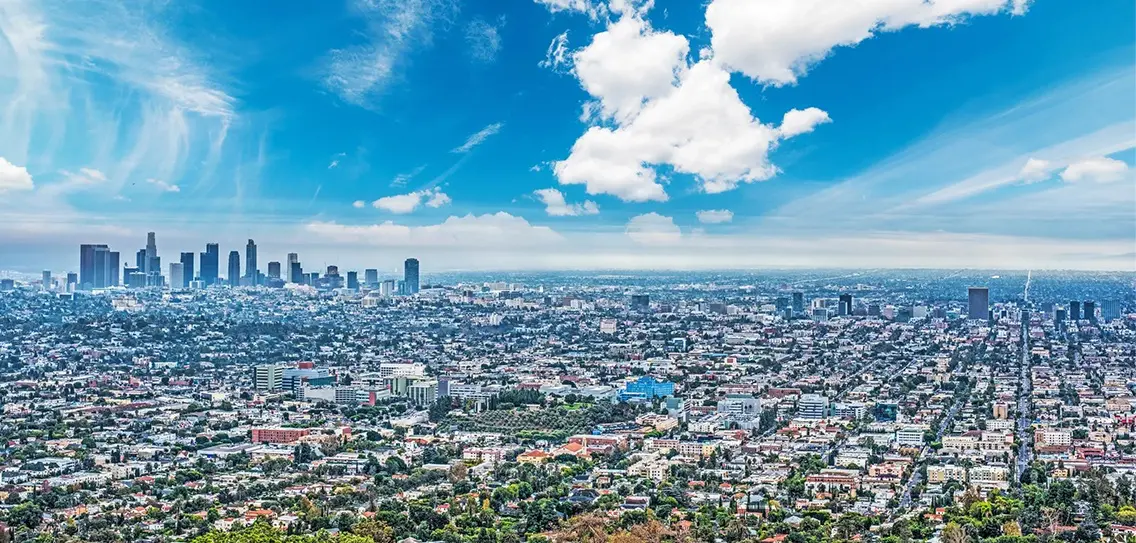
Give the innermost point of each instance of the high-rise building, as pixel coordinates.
(353, 280)
(1110, 310)
(186, 270)
(295, 273)
(371, 277)
(46, 280)
(102, 266)
(798, 302)
(812, 406)
(978, 303)
(140, 259)
(92, 266)
(113, 269)
(151, 254)
(210, 264)
(640, 302)
(177, 277)
(1075, 310)
(274, 270)
(845, 308)
(410, 275)
(268, 377)
(72, 282)
(251, 270)
(234, 269)
(1090, 310)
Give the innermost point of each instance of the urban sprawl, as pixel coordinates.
(187, 404)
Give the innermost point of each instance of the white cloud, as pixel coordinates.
(471, 231)
(359, 204)
(556, 206)
(1034, 170)
(653, 229)
(335, 161)
(592, 8)
(407, 203)
(478, 138)
(776, 41)
(557, 56)
(628, 64)
(437, 199)
(1095, 170)
(483, 39)
(715, 216)
(14, 178)
(163, 186)
(402, 178)
(394, 29)
(664, 111)
(797, 122)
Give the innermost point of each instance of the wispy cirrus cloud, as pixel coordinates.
(110, 68)
(483, 39)
(393, 30)
(479, 137)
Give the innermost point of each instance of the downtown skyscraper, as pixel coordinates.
(251, 271)
(210, 264)
(234, 275)
(410, 276)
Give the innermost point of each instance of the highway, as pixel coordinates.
(1025, 451)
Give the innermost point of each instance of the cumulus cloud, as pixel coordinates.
(483, 39)
(14, 178)
(490, 230)
(359, 204)
(797, 121)
(1034, 170)
(163, 186)
(776, 41)
(653, 229)
(556, 206)
(1095, 170)
(479, 137)
(715, 216)
(653, 108)
(409, 202)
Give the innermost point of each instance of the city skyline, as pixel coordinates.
(969, 135)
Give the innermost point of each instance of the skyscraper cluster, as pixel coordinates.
(99, 268)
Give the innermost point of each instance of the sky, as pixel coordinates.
(573, 134)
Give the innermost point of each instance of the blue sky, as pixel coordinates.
(574, 134)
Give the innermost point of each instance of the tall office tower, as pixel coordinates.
(113, 269)
(154, 278)
(151, 254)
(1059, 316)
(295, 273)
(845, 304)
(46, 280)
(640, 302)
(101, 272)
(234, 268)
(333, 270)
(371, 277)
(353, 280)
(72, 282)
(88, 267)
(1110, 310)
(140, 259)
(1075, 311)
(177, 279)
(410, 275)
(1090, 310)
(210, 264)
(186, 270)
(268, 377)
(798, 302)
(251, 270)
(274, 270)
(978, 303)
